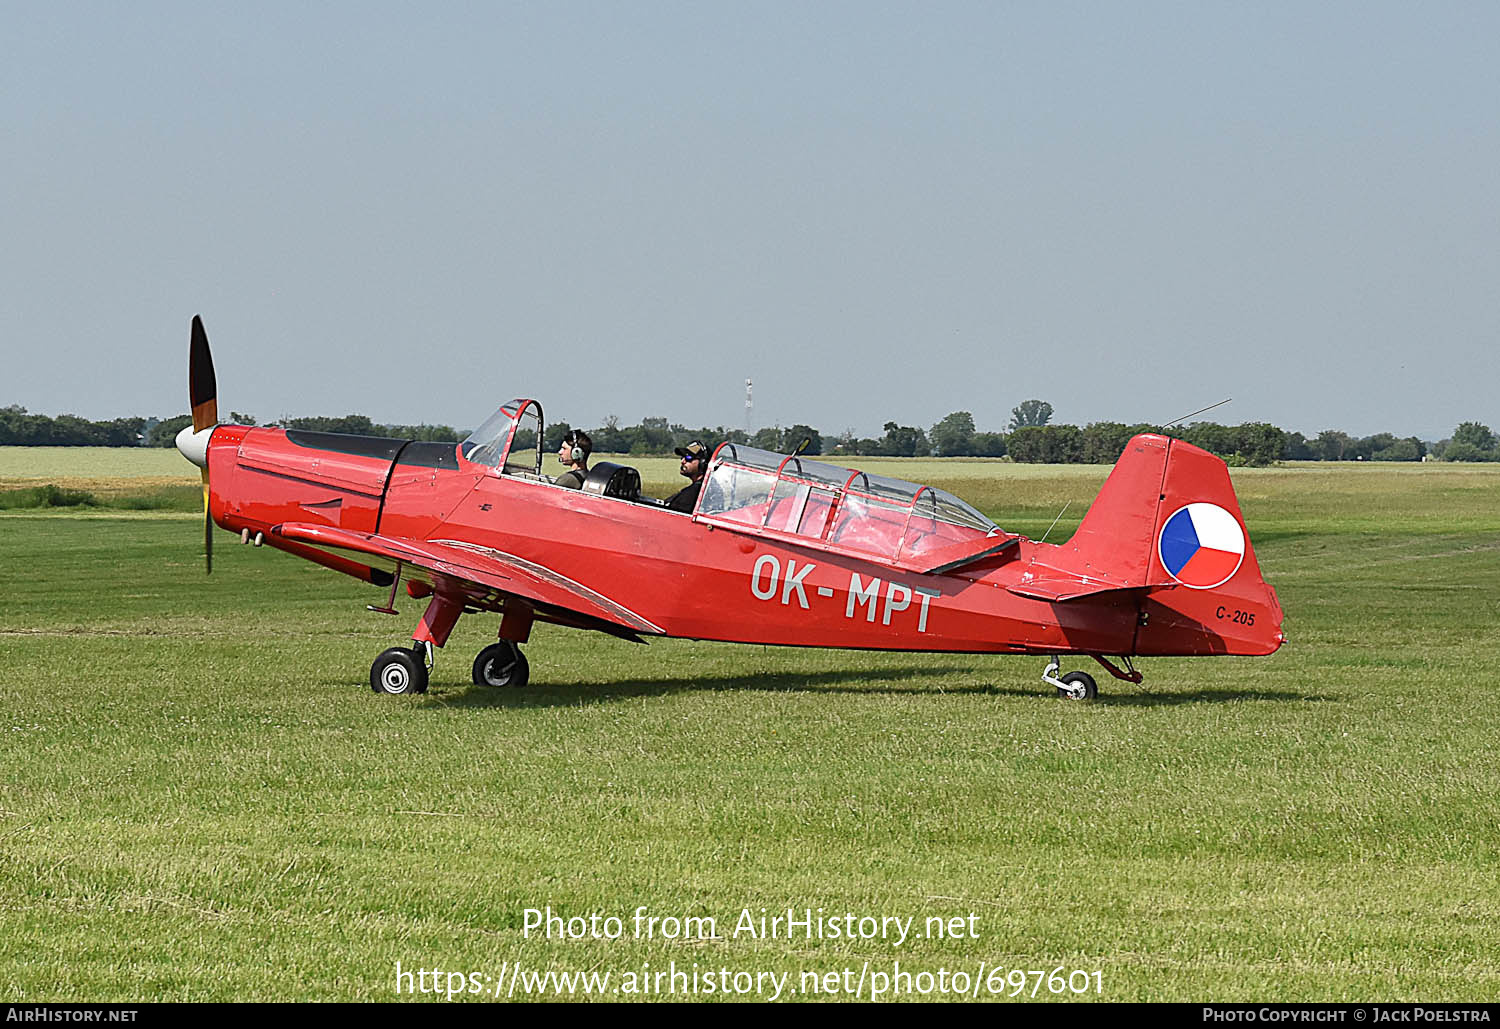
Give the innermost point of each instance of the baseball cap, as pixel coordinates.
(694, 451)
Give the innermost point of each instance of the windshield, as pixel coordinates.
(516, 426)
(484, 444)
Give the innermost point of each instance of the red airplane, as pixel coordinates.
(780, 549)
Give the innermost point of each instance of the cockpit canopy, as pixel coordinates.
(746, 489)
(839, 507)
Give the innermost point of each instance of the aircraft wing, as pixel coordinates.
(491, 569)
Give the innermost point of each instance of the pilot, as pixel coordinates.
(694, 465)
(574, 452)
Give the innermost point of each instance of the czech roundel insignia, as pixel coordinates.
(1201, 546)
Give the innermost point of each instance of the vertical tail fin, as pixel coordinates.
(1167, 523)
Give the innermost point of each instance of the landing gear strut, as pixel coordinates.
(1080, 685)
(406, 669)
(401, 670)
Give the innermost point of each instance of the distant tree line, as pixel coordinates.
(21, 429)
(1029, 438)
(1471, 442)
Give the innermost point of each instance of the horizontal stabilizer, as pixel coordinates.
(951, 558)
(1059, 589)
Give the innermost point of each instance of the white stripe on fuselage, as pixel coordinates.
(624, 613)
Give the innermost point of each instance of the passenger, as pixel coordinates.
(574, 452)
(694, 464)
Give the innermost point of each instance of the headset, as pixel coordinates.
(574, 453)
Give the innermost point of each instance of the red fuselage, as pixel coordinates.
(679, 575)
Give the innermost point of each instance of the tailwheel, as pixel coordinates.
(501, 664)
(399, 671)
(1074, 685)
(1078, 686)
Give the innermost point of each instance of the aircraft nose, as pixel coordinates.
(194, 445)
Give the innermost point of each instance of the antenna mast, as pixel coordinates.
(749, 407)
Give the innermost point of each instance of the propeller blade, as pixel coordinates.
(208, 531)
(203, 394)
(203, 390)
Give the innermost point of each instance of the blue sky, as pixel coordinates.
(876, 211)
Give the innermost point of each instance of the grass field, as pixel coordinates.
(201, 799)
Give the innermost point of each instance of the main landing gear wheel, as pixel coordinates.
(399, 671)
(1078, 686)
(501, 664)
